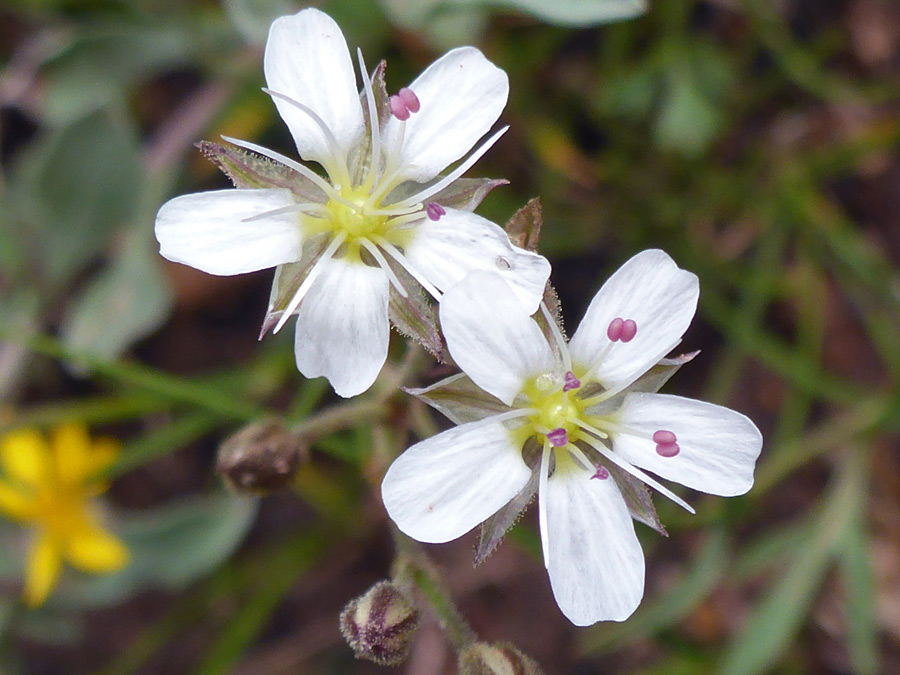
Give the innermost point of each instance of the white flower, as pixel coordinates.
(382, 218)
(595, 430)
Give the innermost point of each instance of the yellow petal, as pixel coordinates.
(92, 549)
(25, 458)
(42, 569)
(72, 452)
(15, 503)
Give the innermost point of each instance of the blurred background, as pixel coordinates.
(756, 141)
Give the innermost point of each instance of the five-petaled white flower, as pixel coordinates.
(382, 218)
(583, 403)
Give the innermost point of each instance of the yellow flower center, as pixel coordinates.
(557, 409)
(352, 216)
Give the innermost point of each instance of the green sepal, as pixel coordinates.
(460, 400)
(248, 169)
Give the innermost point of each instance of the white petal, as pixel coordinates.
(206, 230)
(342, 326)
(491, 337)
(444, 486)
(718, 446)
(595, 561)
(659, 297)
(307, 59)
(460, 242)
(461, 94)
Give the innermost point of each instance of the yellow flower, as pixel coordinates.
(51, 486)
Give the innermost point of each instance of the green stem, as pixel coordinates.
(412, 569)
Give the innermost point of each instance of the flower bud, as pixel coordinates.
(380, 624)
(260, 458)
(482, 658)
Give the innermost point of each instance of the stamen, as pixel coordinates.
(574, 419)
(664, 437)
(456, 173)
(409, 99)
(310, 278)
(304, 171)
(305, 207)
(614, 332)
(333, 147)
(383, 264)
(637, 473)
(571, 382)
(395, 253)
(558, 438)
(374, 122)
(621, 330)
(398, 108)
(602, 473)
(435, 211)
(542, 502)
(558, 338)
(667, 450)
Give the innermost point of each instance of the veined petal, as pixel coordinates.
(90, 548)
(718, 447)
(595, 561)
(25, 458)
(444, 486)
(206, 230)
(658, 296)
(42, 569)
(307, 59)
(342, 326)
(491, 336)
(446, 250)
(461, 95)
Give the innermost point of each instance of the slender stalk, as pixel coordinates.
(413, 570)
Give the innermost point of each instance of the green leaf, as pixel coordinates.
(570, 12)
(775, 621)
(80, 184)
(125, 302)
(859, 611)
(252, 18)
(170, 547)
(460, 400)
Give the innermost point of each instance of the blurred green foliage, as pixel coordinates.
(728, 133)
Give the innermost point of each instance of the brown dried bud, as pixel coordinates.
(482, 658)
(260, 458)
(380, 624)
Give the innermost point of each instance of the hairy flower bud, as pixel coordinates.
(482, 658)
(380, 624)
(260, 458)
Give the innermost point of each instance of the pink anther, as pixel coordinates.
(667, 449)
(614, 332)
(409, 99)
(398, 108)
(571, 382)
(602, 473)
(664, 437)
(621, 330)
(558, 437)
(435, 211)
